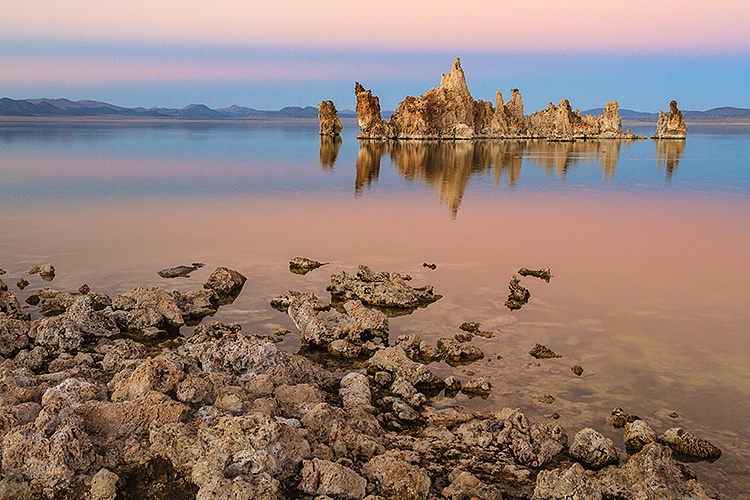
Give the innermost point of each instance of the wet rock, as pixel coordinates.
(544, 273)
(432, 266)
(542, 352)
(33, 299)
(179, 271)
(577, 369)
(672, 125)
(2, 271)
(651, 473)
(454, 352)
(619, 418)
(144, 308)
(22, 283)
(322, 477)
(33, 270)
(383, 289)
(395, 361)
(593, 449)
(104, 485)
(518, 296)
(563, 484)
(546, 398)
(84, 289)
(531, 443)
(637, 435)
(330, 125)
(477, 386)
(396, 478)
(452, 384)
(689, 444)
(226, 283)
(302, 265)
(47, 272)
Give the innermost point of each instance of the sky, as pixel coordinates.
(267, 55)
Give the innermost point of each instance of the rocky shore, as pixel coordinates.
(102, 398)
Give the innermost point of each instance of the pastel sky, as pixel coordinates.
(270, 54)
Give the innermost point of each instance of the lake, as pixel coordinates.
(647, 241)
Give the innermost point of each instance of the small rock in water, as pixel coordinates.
(33, 299)
(546, 398)
(619, 418)
(2, 271)
(477, 386)
(487, 335)
(22, 283)
(84, 289)
(47, 272)
(518, 296)
(177, 272)
(637, 435)
(430, 266)
(689, 444)
(543, 274)
(303, 265)
(470, 326)
(577, 369)
(463, 337)
(542, 352)
(33, 270)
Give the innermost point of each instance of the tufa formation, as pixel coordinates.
(330, 125)
(672, 125)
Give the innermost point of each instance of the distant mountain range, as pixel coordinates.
(68, 108)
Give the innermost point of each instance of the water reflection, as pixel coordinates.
(448, 166)
(329, 151)
(669, 153)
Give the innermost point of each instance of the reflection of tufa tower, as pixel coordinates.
(669, 154)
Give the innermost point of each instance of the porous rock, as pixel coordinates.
(593, 449)
(637, 435)
(689, 444)
(454, 352)
(328, 117)
(566, 484)
(226, 283)
(518, 296)
(322, 477)
(143, 308)
(396, 478)
(672, 125)
(382, 289)
(395, 361)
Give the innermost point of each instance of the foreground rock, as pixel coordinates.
(382, 289)
(330, 125)
(450, 112)
(672, 125)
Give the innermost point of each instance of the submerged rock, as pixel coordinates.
(330, 125)
(672, 125)
(302, 265)
(179, 271)
(383, 289)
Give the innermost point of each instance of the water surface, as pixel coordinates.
(647, 242)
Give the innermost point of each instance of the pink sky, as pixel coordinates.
(541, 25)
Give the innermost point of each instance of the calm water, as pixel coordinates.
(648, 243)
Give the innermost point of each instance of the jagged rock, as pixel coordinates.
(518, 296)
(22, 283)
(13, 335)
(47, 272)
(543, 352)
(371, 123)
(544, 273)
(227, 283)
(303, 265)
(566, 484)
(637, 435)
(396, 478)
(454, 352)
(322, 477)
(577, 369)
(144, 308)
(395, 361)
(672, 125)
(689, 444)
(281, 303)
(330, 124)
(387, 290)
(651, 474)
(593, 449)
(417, 349)
(450, 112)
(477, 386)
(354, 391)
(9, 304)
(452, 384)
(344, 349)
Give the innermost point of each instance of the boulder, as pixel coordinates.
(330, 124)
(593, 449)
(144, 308)
(226, 283)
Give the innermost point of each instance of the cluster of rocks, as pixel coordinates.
(92, 407)
(450, 112)
(519, 295)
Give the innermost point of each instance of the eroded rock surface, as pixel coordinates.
(672, 125)
(330, 125)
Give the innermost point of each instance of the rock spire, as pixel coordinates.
(672, 125)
